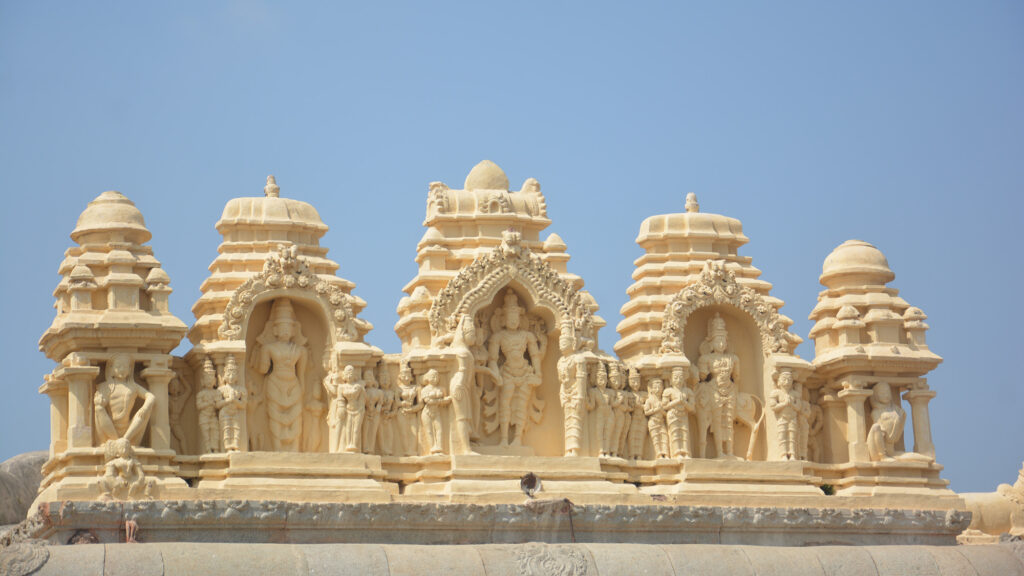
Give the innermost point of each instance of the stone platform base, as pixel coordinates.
(173, 559)
(552, 521)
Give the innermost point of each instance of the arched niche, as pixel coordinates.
(745, 342)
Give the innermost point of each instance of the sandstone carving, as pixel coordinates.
(115, 400)
(206, 406)
(281, 355)
(433, 399)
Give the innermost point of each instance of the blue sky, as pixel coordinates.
(896, 123)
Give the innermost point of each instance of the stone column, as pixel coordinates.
(918, 397)
(57, 390)
(157, 377)
(834, 442)
(856, 423)
(80, 388)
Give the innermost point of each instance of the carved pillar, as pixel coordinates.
(157, 377)
(856, 423)
(57, 390)
(80, 387)
(835, 445)
(919, 397)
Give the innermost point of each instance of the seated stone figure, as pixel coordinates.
(114, 401)
(123, 476)
(888, 419)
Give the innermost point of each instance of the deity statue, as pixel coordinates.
(407, 416)
(572, 378)
(433, 399)
(785, 402)
(374, 404)
(352, 406)
(638, 420)
(888, 419)
(123, 476)
(462, 385)
(336, 411)
(678, 405)
(115, 399)
(803, 423)
(206, 409)
(655, 413)
(721, 370)
(518, 376)
(178, 391)
(621, 408)
(231, 408)
(599, 401)
(282, 355)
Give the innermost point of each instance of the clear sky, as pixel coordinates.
(899, 123)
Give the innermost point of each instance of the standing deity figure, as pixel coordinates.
(678, 405)
(282, 355)
(408, 407)
(231, 407)
(386, 436)
(206, 409)
(433, 399)
(803, 423)
(621, 407)
(462, 385)
(336, 410)
(178, 392)
(352, 404)
(599, 401)
(655, 413)
(722, 371)
(374, 404)
(114, 400)
(572, 378)
(638, 420)
(888, 419)
(785, 402)
(518, 376)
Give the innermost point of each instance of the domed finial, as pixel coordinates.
(691, 203)
(272, 190)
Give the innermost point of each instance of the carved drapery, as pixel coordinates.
(285, 270)
(717, 285)
(477, 285)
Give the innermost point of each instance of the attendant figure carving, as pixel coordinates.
(281, 354)
(206, 409)
(621, 407)
(123, 477)
(116, 398)
(433, 399)
(784, 401)
(638, 420)
(888, 419)
(572, 378)
(386, 436)
(462, 385)
(599, 402)
(178, 393)
(336, 411)
(374, 404)
(719, 373)
(231, 408)
(409, 407)
(815, 425)
(803, 423)
(678, 405)
(655, 413)
(353, 405)
(518, 375)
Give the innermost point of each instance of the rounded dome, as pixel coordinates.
(858, 261)
(112, 212)
(486, 176)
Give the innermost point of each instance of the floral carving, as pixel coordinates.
(550, 560)
(717, 285)
(287, 270)
(477, 284)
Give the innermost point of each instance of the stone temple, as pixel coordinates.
(503, 438)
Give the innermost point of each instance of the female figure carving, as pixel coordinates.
(599, 401)
(620, 409)
(386, 436)
(282, 355)
(374, 403)
(353, 399)
(408, 408)
(433, 398)
(638, 421)
(336, 412)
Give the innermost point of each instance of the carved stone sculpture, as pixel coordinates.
(433, 399)
(514, 358)
(114, 400)
(785, 402)
(282, 355)
(621, 408)
(374, 404)
(572, 378)
(409, 406)
(123, 478)
(206, 408)
(352, 403)
(336, 409)
(389, 402)
(231, 408)
(719, 373)
(655, 413)
(888, 419)
(178, 393)
(678, 405)
(462, 385)
(638, 420)
(816, 423)
(599, 403)
(803, 423)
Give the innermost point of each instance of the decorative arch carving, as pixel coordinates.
(476, 285)
(717, 285)
(286, 270)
